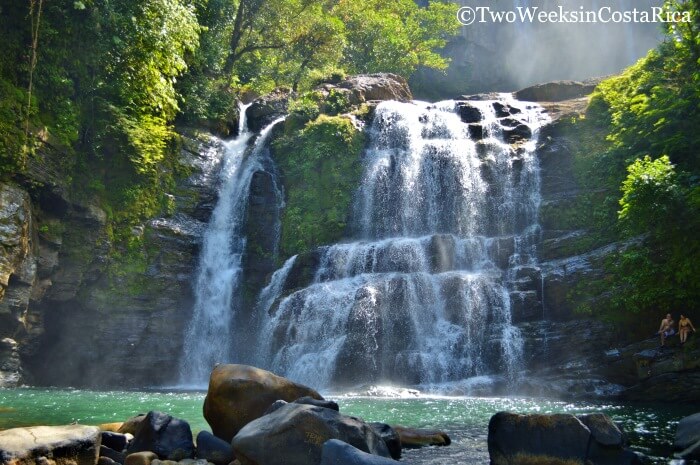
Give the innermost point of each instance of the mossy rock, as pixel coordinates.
(321, 168)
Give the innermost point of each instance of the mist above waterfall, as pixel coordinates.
(493, 56)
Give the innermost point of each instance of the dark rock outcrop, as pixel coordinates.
(238, 394)
(264, 110)
(168, 437)
(300, 431)
(62, 444)
(336, 452)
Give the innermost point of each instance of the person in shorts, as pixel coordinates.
(666, 329)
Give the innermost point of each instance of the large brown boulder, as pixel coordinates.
(74, 444)
(294, 434)
(238, 394)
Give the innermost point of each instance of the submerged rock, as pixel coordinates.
(238, 394)
(74, 444)
(169, 437)
(297, 432)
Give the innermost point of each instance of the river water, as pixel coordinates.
(465, 419)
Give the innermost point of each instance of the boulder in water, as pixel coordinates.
(75, 444)
(560, 435)
(297, 432)
(687, 440)
(336, 452)
(390, 437)
(169, 437)
(213, 449)
(414, 438)
(238, 394)
(593, 438)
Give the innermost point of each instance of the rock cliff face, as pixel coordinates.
(68, 319)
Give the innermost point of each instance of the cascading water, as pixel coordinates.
(208, 338)
(422, 297)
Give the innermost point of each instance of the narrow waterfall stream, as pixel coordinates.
(445, 222)
(208, 337)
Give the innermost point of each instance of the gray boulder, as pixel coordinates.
(168, 437)
(297, 432)
(391, 438)
(63, 444)
(213, 449)
(687, 440)
(337, 452)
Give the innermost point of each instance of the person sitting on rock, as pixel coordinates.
(684, 327)
(666, 328)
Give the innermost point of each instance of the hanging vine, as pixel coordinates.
(35, 7)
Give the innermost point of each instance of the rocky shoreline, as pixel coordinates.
(300, 427)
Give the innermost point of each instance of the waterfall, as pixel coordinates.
(444, 223)
(208, 339)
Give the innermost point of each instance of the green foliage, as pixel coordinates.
(12, 141)
(321, 167)
(651, 113)
(650, 191)
(395, 36)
